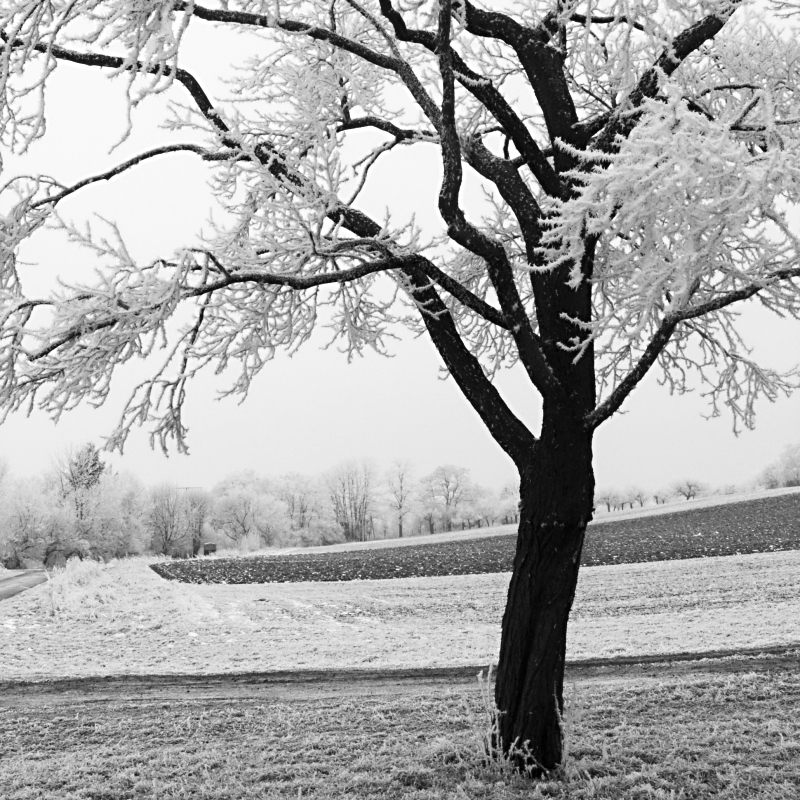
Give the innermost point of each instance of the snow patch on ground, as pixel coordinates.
(121, 618)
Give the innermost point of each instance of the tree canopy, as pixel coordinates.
(638, 163)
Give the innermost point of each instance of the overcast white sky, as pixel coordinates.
(307, 413)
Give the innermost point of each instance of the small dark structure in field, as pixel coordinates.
(209, 547)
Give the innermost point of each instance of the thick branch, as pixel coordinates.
(543, 62)
(401, 134)
(623, 120)
(599, 19)
(507, 430)
(465, 234)
(486, 93)
(632, 379)
(740, 294)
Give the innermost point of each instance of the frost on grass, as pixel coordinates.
(94, 619)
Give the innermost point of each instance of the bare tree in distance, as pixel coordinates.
(198, 505)
(637, 190)
(636, 494)
(688, 489)
(401, 485)
(608, 497)
(351, 488)
(446, 488)
(661, 496)
(166, 520)
(298, 492)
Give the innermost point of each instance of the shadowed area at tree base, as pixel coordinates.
(754, 526)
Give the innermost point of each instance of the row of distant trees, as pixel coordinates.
(634, 496)
(784, 472)
(81, 508)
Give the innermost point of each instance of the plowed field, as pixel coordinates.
(754, 526)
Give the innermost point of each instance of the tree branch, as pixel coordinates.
(623, 120)
(664, 333)
(206, 155)
(632, 379)
(486, 93)
(594, 19)
(506, 429)
(185, 78)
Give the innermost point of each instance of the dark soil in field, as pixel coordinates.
(753, 526)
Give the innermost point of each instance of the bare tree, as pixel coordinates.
(401, 486)
(638, 494)
(299, 493)
(608, 497)
(688, 489)
(197, 508)
(166, 519)
(661, 496)
(446, 488)
(638, 191)
(351, 488)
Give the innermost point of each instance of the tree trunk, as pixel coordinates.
(556, 494)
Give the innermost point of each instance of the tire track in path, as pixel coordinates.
(318, 684)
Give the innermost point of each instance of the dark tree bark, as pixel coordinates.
(556, 505)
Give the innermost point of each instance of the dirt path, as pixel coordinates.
(315, 684)
(20, 582)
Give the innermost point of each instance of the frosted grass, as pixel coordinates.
(121, 618)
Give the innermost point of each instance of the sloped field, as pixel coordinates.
(754, 526)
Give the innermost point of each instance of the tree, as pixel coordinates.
(244, 507)
(688, 489)
(639, 166)
(79, 470)
(166, 520)
(608, 497)
(351, 490)
(785, 471)
(444, 490)
(638, 494)
(198, 505)
(661, 496)
(400, 483)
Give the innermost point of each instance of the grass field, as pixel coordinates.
(732, 737)
(95, 619)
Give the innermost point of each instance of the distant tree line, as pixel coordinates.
(80, 508)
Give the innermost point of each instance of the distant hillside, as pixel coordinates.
(753, 526)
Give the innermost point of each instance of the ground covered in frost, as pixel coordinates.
(753, 526)
(121, 618)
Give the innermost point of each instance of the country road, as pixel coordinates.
(316, 684)
(20, 582)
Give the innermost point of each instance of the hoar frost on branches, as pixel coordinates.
(689, 209)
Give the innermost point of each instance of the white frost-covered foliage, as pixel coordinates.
(688, 212)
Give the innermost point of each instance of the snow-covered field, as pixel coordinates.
(95, 619)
